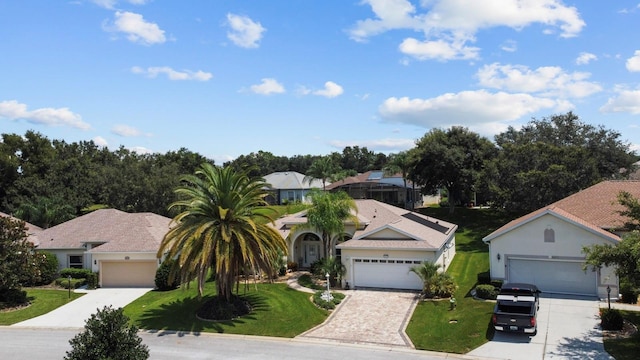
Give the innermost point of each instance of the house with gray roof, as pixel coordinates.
(120, 246)
(545, 247)
(289, 187)
(380, 248)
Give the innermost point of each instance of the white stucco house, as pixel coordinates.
(381, 249)
(289, 186)
(120, 246)
(545, 246)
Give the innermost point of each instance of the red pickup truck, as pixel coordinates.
(516, 308)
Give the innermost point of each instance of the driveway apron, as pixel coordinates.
(74, 314)
(369, 317)
(568, 328)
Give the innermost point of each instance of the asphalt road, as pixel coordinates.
(39, 343)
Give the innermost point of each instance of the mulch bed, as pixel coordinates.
(628, 330)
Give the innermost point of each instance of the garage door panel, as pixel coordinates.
(128, 273)
(554, 276)
(380, 274)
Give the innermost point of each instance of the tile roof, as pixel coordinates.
(291, 180)
(32, 230)
(372, 178)
(414, 230)
(595, 208)
(114, 230)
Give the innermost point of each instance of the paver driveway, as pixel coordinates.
(568, 328)
(369, 316)
(74, 314)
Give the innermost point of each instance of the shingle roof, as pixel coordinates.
(290, 180)
(372, 177)
(115, 230)
(595, 208)
(413, 230)
(32, 230)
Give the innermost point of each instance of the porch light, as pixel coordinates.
(498, 256)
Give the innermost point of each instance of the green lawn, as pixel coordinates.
(42, 301)
(625, 349)
(278, 311)
(432, 326)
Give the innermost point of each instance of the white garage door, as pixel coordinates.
(384, 273)
(554, 276)
(128, 273)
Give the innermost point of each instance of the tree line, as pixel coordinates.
(49, 181)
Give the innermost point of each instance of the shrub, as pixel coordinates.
(486, 291)
(315, 266)
(164, 273)
(327, 305)
(108, 335)
(306, 281)
(443, 285)
(12, 297)
(628, 292)
(92, 280)
(293, 266)
(611, 319)
(75, 283)
(48, 266)
(75, 273)
(484, 278)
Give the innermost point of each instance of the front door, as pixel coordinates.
(311, 254)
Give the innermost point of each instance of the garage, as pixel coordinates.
(128, 273)
(385, 273)
(554, 276)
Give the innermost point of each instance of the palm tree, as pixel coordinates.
(400, 163)
(324, 169)
(222, 224)
(427, 271)
(328, 213)
(45, 212)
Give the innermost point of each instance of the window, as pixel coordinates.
(549, 235)
(75, 261)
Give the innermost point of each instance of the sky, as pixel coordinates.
(227, 78)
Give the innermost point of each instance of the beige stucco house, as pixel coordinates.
(120, 246)
(545, 246)
(380, 249)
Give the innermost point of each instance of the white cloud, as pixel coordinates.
(172, 74)
(626, 101)
(244, 32)
(546, 80)
(330, 90)
(100, 141)
(141, 150)
(473, 108)
(585, 58)
(509, 46)
(633, 63)
(456, 22)
(13, 110)
(377, 144)
(110, 4)
(127, 131)
(137, 29)
(267, 87)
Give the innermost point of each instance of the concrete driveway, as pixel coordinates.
(74, 314)
(369, 317)
(568, 328)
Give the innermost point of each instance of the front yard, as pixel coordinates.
(42, 301)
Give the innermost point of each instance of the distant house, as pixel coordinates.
(545, 246)
(377, 185)
(120, 246)
(288, 187)
(381, 249)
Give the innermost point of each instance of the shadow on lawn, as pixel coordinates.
(179, 317)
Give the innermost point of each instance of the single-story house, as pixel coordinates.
(120, 246)
(288, 187)
(380, 248)
(545, 246)
(377, 185)
(32, 230)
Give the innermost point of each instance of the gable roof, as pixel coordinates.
(290, 180)
(414, 230)
(111, 230)
(595, 209)
(32, 230)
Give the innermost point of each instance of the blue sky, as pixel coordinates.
(226, 78)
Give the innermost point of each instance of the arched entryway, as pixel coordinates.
(307, 248)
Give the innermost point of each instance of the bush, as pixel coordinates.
(611, 319)
(92, 281)
(164, 273)
(443, 285)
(108, 335)
(327, 305)
(48, 267)
(314, 268)
(75, 283)
(628, 292)
(484, 278)
(293, 266)
(486, 291)
(75, 273)
(12, 297)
